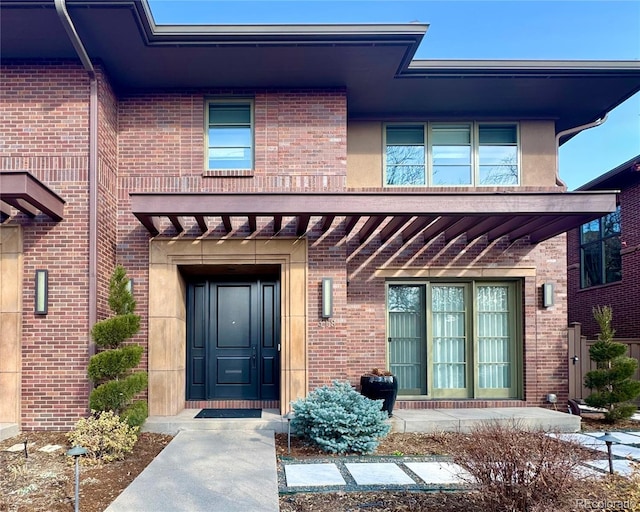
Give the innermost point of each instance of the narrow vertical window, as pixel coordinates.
(405, 155)
(230, 135)
(451, 155)
(494, 337)
(498, 154)
(449, 334)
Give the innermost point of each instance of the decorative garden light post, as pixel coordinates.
(609, 440)
(76, 452)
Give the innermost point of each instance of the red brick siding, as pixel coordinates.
(621, 296)
(45, 131)
(107, 190)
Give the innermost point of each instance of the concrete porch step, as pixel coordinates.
(403, 420)
(464, 420)
(270, 420)
(8, 430)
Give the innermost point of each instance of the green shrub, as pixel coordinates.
(111, 332)
(338, 419)
(105, 436)
(115, 395)
(612, 380)
(112, 368)
(136, 413)
(113, 363)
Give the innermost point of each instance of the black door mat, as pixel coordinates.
(229, 413)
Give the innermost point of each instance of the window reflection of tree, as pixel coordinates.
(600, 249)
(404, 299)
(504, 173)
(405, 165)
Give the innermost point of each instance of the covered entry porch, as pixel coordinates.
(273, 229)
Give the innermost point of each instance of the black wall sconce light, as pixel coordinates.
(327, 297)
(547, 295)
(42, 292)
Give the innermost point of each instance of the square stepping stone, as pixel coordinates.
(50, 448)
(439, 472)
(622, 467)
(585, 440)
(624, 437)
(378, 473)
(18, 447)
(310, 475)
(622, 450)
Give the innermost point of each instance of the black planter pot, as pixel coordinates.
(380, 387)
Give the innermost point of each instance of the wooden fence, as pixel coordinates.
(580, 363)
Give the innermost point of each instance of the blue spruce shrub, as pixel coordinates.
(338, 419)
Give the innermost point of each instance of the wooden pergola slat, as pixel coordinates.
(415, 227)
(393, 226)
(175, 220)
(369, 227)
(202, 223)
(327, 220)
(302, 224)
(277, 224)
(226, 222)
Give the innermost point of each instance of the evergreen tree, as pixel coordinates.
(614, 387)
(111, 369)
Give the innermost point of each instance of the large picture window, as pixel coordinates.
(447, 154)
(229, 135)
(600, 260)
(455, 339)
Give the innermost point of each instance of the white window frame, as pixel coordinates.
(475, 152)
(207, 147)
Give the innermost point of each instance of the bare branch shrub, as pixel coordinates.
(516, 469)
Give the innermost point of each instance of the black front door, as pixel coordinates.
(233, 337)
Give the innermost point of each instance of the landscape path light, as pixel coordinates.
(609, 440)
(76, 452)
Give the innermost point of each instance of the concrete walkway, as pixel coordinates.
(236, 470)
(207, 470)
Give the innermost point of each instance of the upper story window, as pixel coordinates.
(447, 154)
(600, 251)
(229, 135)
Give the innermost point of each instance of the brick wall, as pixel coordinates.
(45, 131)
(300, 145)
(622, 295)
(107, 190)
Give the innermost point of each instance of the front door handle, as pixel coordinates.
(253, 357)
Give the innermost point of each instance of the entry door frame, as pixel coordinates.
(257, 364)
(167, 311)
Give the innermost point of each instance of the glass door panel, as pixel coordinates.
(494, 340)
(407, 354)
(449, 341)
